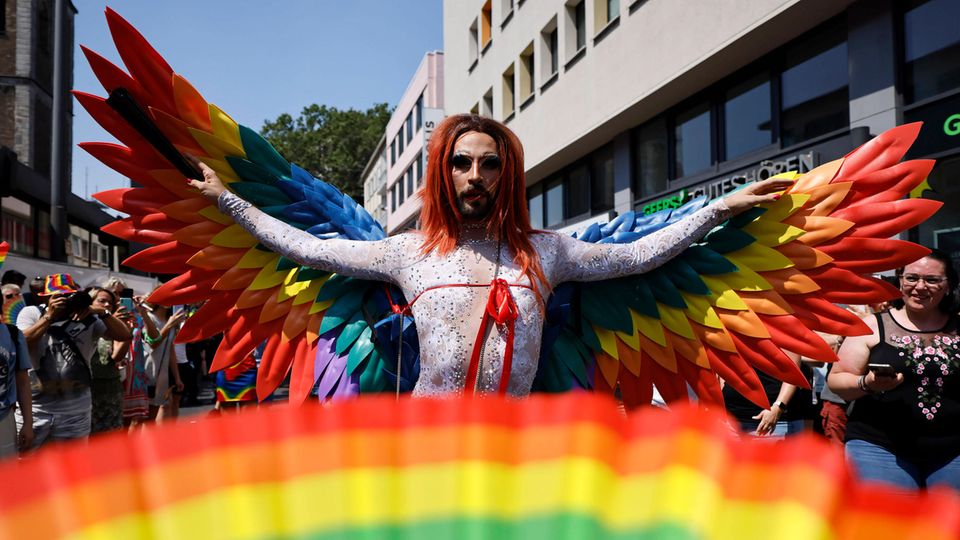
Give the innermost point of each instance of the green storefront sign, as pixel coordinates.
(675, 201)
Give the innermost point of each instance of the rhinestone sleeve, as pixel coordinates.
(377, 260)
(585, 261)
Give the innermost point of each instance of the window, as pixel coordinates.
(746, 117)
(535, 205)
(692, 141)
(508, 102)
(575, 30)
(650, 158)
(604, 12)
(419, 164)
(550, 60)
(393, 198)
(580, 24)
(601, 185)
(393, 152)
(44, 28)
(410, 181)
(400, 142)
(400, 191)
(486, 109)
(506, 12)
(409, 124)
(578, 190)
(419, 111)
(813, 85)
(486, 15)
(526, 73)
(931, 48)
(554, 203)
(474, 44)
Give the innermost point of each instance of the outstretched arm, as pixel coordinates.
(585, 261)
(368, 260)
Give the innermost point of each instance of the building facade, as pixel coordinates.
(641, 104)
(408, 131)
(26, 133)
(375, 183)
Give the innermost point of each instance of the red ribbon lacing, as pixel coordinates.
(501, 308)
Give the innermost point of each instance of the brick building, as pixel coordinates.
(26, 105)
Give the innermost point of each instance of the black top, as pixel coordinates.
(920, 419)
(743, 409)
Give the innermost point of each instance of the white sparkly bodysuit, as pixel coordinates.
(448, 318)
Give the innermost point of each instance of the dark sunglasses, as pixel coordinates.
(11, 295)
(462, 162)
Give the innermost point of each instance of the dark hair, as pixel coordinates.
(14, 277)
(951, 300)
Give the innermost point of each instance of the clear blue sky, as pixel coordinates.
(257, 60)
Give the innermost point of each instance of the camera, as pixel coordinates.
(77, 302)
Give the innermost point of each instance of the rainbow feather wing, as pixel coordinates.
(311, 320)
(757, 286)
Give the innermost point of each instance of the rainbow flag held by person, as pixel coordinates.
(568, 466)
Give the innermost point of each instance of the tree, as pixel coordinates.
(332, 144)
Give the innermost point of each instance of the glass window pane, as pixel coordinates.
(554, 204)
(578, 197)
(650, 158)
(535, 206)
(601, 189)
(813, 93)
(692, 139)
(746, 116)
(580, 23)
(931, 47)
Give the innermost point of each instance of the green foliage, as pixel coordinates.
(330, 143)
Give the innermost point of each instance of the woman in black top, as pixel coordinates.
(905, 425)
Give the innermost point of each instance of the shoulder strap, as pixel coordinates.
(880, 325)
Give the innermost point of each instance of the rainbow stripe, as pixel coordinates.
(546, 467)
(11, 309)
(4, 249)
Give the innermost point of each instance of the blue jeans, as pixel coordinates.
(875, 463)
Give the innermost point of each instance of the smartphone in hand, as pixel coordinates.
(882, 370)
(127, 303)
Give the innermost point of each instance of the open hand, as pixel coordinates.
(766, 191)
(211, 186)
(768, 421)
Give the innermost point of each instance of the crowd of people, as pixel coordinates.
(80, 361)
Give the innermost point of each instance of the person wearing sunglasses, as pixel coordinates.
(476, 248)
(904, 428)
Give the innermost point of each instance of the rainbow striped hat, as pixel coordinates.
(59, 283)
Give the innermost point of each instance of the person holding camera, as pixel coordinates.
(62, 338)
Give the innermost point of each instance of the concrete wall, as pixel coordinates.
(656, 53)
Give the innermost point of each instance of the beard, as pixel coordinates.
(474, 205)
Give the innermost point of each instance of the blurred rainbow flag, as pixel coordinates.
(569, 466)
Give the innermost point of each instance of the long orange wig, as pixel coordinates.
(508, 218)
